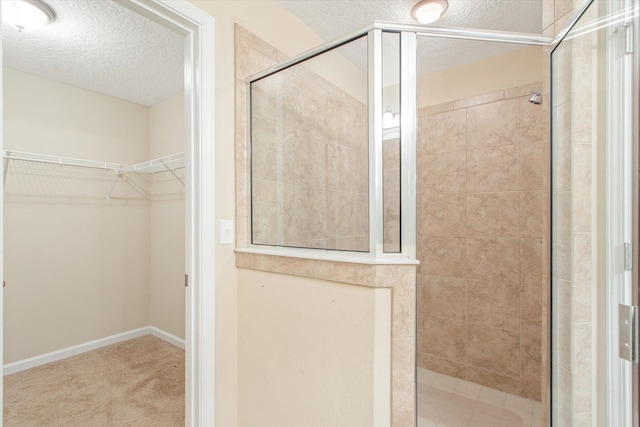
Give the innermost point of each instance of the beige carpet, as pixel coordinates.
(139, 382)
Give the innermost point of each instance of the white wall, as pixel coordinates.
(77, 268)
(166, 287)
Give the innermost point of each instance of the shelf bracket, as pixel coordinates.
(113, 185)
(172, 172)
(135, 186)
(4, 173)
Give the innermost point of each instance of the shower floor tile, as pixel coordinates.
(445, 401)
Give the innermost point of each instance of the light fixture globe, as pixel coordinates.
(428, 11)
(27, 15)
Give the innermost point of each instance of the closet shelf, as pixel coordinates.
(62, 161)
(162, 164)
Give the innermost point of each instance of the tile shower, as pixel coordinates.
(480, 240)
(310, 163)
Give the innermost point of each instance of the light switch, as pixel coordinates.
(226, 231)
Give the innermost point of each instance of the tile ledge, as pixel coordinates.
(324, 255)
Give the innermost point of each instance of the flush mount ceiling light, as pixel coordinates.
(428, 11)
(27, 15)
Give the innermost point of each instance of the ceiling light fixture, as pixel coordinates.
(27, 15)
(428, 11)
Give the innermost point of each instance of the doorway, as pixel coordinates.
(197, 27)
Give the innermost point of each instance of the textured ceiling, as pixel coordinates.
(101, 46)
(333, 18)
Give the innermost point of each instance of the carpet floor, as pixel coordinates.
(139, 382)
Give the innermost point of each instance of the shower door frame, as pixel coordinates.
(408, 86)
(632, 198)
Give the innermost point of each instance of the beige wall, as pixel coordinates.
(307, 351)
(76, 266)
(272, 23)
(167, 223)
(520, 67)
(480, 170)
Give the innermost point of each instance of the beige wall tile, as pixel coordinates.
(442, 214)
(532, 159)
(583, 419)
(493, 214)
(531, 310)
(404, 306)
(357, 274)
(493, 125)
(442, 256)
(403, 391)
(531, 365)
(493, 304)
(433, 109)
(390, 275)
(583, 264)
(562, 7)
(443, 297)
(444, 338)
(583, 199)
(561, 164)
(582, 367)
(443, 132)
(443, 366)
(304, 160)
(523, 91)
(304, 213)
(442, 173)
(268, 205)
(508, 384)
(548, 13)
(346, 213)
(494, 349)
(561, 327)
(561, 411)
(480, 99)
(275, 264)
(531, 221)
(531, 258)
(561, 241)
(493, 259)
(493, 169)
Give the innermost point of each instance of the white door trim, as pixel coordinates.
(198, 28)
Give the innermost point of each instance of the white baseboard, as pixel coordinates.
(163, 335)
(43, 359)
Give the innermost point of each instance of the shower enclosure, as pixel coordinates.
(594, 217)
(348, 163)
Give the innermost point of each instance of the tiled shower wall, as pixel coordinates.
(309, 165)
(480, 230)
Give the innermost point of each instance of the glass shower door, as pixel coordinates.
(594, 219)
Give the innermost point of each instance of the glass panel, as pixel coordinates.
(310, 155)
(480, 189)
(391, 140)
(591, 203)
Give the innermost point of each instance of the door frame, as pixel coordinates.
(199, 75)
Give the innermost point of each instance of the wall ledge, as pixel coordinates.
(363, 271)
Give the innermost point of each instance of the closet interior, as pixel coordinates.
(94, 214)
